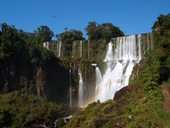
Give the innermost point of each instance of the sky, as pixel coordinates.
(131, 16)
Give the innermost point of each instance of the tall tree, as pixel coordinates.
(104, 31)
(162, 24)
(43, 34)
(92, 31)
(70, 36)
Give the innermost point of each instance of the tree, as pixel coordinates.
(43, 34)
(70, 36)
(104, 31)
(162, 24)
(161, 29)
(9, 33)
(92, 31)
(115, 31)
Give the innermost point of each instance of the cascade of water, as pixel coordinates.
(70, 90)
(46, 45)
(109, 54)
(98, 80)
(139, 47)
(81, 89)
(59, 49)
(81, 48)
(119, 64)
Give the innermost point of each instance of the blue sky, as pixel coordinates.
(132, 16)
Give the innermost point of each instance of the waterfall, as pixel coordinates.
(139, 47)
(81, 89)
(98, 79)
(119, 65)
(59, 49)
(70, 90)
(46, 45)
(81, 48)
(122, 54)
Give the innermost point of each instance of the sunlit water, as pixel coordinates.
(120, 63)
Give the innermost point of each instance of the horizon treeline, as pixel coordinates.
(94, 31)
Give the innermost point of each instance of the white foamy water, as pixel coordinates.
(81, 89)
(98, 80)
(59, 49)
(120, 62)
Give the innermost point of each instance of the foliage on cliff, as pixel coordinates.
(27, 70)
(22, 57)
(161, 30)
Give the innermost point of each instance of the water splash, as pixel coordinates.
(46, 45)
(98, 80)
